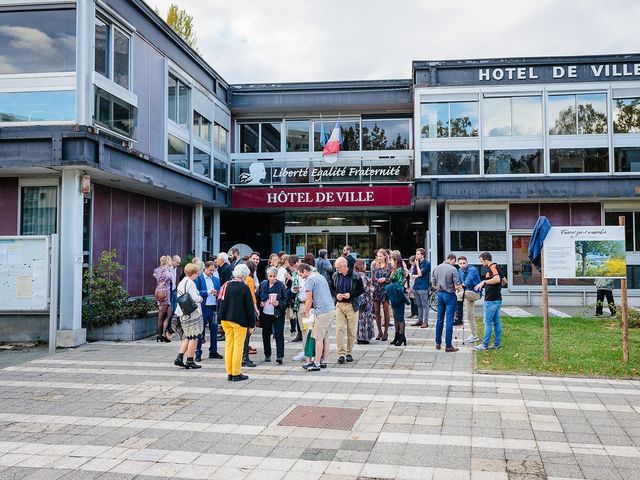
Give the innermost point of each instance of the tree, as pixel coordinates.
(182, 23)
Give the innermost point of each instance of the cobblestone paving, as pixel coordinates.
(123, 411)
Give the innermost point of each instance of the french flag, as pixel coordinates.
(332, 147)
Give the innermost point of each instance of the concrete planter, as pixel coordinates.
(125, 331)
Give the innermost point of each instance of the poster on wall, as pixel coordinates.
(585, 252)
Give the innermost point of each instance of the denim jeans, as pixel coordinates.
(210, 318)
(422, 301)
(174, 301)
(446, 304)
(492, 320)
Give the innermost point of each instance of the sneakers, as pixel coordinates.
(313, 367)
(349, 358)
(299, 357)
(323, 365)
(495, 347)
(267, 359)
(480, 347)
(472, 339)
(341, 359)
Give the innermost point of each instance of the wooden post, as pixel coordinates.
(625, 311)
(545, 311)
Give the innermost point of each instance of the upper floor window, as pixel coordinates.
(223, 93)
(178, 101)
(449, 119)
(260, 137)
(388, 134)
(38, 41)
(297, 135)
(115, 114)
(112, 48)
(220, 136)
(350, 134)
(583, 114)
(201, 126)
(627, 115)
(512, 116)
(34, 107)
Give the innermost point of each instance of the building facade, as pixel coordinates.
(115, 134)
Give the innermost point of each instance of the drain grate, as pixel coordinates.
(322, 417)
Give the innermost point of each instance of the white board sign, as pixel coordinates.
(24, 273)
(585, 252)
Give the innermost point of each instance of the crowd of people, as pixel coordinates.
(227, 297)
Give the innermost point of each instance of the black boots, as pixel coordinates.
(400, 339)
(191, 364)
(179, 360)
(395, 338)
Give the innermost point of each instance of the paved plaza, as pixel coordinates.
(120, 411)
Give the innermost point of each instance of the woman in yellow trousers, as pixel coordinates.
(237, 313)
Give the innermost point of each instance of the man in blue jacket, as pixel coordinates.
(208, 286)
(469, 277)
(421, 273)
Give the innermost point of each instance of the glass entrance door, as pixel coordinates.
(363, 245)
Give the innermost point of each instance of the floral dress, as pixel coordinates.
(379, 295)
(366, 315)
(163, 279)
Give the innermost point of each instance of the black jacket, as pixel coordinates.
(357, 288)
(237, 305)
(224, 272)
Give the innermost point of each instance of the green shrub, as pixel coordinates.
(104, 300)
(139, 307)
(633, 316)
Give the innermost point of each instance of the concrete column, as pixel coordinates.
(433, 233)
(198, 229)
(71, 333)
(215, 231)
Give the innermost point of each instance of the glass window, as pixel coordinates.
(178, 152)
(201, 162)
(466, 162)
(562, 114)
(249, 137)
(120, 58)
(392, 134)
(527, 161)
(492, 241)
(434, 120)
(38, 210)
(350, 134)
(173, 97)
(497, 117)
(38, 41)
(627, 159)
(220, 171)
(178, 94)
(636, 229)
(627, 115)
(297, 135)
(527, 116)
(201, 126)
(592, 113)
(611, 218)
(270, 137)
(579, 160)
(464, 241)
(220, 135)
(102, 42)
(38, 106)
(115, 114)
(524, 273)
(464, 119)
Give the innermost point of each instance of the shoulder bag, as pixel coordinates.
(187, 304)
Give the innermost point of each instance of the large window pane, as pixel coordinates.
(627, 115)
(562, 114)
(178, 152)
(497, 117)
(102, 48)
(527, 116)
(297, 135)
(612, 218)
(592, 113)
(201, 126)
(271, 137)
(434, 120)
(464, 241)
(249, 138)
(392, 134)
(120, 58)
(350, 135)
(492, 241)
(38, 41)
(38, 210)
(201, 162)
(220, 171)
(122, 117)
(627, 159)
(579, 160)
(183, 104)
(524, 273)
(464, 119)
(114, 114)
(465, 162)
(37, 106)
(513, 161)
(173, 98)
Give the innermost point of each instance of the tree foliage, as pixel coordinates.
(182, 23)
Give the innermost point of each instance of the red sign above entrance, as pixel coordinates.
(330, 197)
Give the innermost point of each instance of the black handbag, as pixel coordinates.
(187, 305)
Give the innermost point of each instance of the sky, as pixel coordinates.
(266, 41)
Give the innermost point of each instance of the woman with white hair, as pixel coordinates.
(273, 304)
(237, 314)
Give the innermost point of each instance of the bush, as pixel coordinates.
(633, 316)
(139, 307)
(104, 300)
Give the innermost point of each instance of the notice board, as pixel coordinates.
(24, 273)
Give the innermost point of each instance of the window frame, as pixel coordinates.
(38, 182)
(114, 23)
(382, 119)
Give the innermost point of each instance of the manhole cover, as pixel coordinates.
(322, 417)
